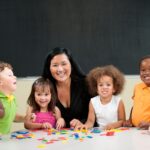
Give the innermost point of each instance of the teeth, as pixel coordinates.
(147, 78)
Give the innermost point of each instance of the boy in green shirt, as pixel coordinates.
(7, 99)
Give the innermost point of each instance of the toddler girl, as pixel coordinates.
(105, 83)
(42, 112)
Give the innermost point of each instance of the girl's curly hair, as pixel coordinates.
(109, 70)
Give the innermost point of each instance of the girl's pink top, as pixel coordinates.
(43, 117)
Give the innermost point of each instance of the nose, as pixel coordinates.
(14, 77)
(60, 68)
(105, 87)
(42, 96)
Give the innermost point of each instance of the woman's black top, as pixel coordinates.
(79, 103)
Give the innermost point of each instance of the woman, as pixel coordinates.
(70, 86)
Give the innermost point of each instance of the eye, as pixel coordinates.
(10, 75)
(64, 63)
(100, 84)
(54, 65)
(142, 70)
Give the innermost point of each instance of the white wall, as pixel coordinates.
(22, 93)
(24, 88)
(131, 81)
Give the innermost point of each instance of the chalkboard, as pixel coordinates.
(98, 32)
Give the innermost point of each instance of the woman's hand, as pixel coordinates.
(82, 127)
(75, 123)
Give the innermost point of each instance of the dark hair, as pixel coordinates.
(95, 74)
(3, 65)
(42, 82)
(76, 71)
(143, 58)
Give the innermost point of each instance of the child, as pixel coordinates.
(105, 83)
(140, 112)
(7, 99)
(42, 112)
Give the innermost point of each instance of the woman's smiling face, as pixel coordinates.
(60, 68)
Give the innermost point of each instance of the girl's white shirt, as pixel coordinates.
(106, 113)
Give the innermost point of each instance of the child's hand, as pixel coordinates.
(46, 125)
(60, 123)
(144, 125)
(127, 123)
(109, 127)
(33, 117)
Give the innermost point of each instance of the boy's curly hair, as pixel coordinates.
(3, 65)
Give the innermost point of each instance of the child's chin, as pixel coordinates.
(14, 89)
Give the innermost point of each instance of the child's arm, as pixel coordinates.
(19, 118)
(121, 117)
(2, 111)
(60, 121)
(128, 123)
(28, 123)
(91, 117)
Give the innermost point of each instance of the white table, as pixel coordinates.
(132, 139)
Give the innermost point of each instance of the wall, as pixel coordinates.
(22, 93)
(104, 31)
(24, 87)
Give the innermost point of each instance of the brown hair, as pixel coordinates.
(3, 65)
(42, 82)
(95, 74)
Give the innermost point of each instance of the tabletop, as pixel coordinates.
(66, 139)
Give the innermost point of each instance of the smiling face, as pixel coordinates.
(7, 81)
(105, 87)
(145, 71)
(60, 68)
(42, 97)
